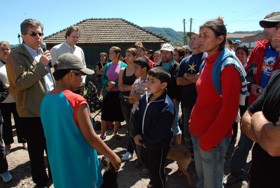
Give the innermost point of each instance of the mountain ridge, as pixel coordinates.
(177, 36)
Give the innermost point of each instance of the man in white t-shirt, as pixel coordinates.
(72, 36)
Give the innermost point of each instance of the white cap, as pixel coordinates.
(167, 47)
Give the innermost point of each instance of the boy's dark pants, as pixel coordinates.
(155, 161)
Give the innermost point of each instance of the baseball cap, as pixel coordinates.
(70, 61)
(167, 47)
(237, 41)
(270, 22)
(186, 47)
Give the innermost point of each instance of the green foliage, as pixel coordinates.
(170, 34)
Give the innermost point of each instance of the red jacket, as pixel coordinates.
(257, 56)
(213, 115)
(150, 62)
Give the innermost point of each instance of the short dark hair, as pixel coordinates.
(181, 51)
(243, 48)
(160, 73)
(59, 74)
(229, 41)
(71, 29)
(142, 62)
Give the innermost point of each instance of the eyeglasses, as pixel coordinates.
(34, 34)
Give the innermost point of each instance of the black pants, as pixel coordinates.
(8, 109)
(33, 130)
(3, 160)
(155, 161)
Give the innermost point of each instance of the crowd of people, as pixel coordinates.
(192, 96)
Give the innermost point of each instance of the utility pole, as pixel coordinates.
(184, 25)
(191, 24)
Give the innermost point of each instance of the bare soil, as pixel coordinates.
(128, 176)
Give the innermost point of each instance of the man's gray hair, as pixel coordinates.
(30, 23)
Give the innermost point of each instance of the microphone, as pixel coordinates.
(43, 46)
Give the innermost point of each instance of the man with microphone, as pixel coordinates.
(30, 79)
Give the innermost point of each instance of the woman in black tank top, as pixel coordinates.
(126, 79)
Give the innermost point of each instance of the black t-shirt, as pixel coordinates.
(100, 66)
(191, 65)
(128, 80)
(265, 168)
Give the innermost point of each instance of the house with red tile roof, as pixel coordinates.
(98, 35)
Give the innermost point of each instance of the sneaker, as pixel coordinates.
(127, 156)
(230, 179)
(6, 177)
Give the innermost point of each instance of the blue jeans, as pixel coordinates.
(210, 164)
(240, 154)
(175, 126)
(186, 118)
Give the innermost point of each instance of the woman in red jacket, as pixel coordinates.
(215, 110)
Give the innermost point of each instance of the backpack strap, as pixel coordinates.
(225, 59)
(203, 62)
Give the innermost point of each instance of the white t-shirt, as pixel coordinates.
(5, 81)
(64, 48)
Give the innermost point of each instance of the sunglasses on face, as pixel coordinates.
(34, 34)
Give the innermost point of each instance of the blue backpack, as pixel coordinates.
(225, 59)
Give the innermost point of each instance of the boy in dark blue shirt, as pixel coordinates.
(152, 122)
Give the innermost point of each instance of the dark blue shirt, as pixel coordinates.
(190, 65)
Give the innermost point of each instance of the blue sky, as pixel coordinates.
(239, 15)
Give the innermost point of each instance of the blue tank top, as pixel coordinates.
(73, 161)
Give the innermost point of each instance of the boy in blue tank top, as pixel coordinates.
(71, 139)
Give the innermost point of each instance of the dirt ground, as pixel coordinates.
(128, 176)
